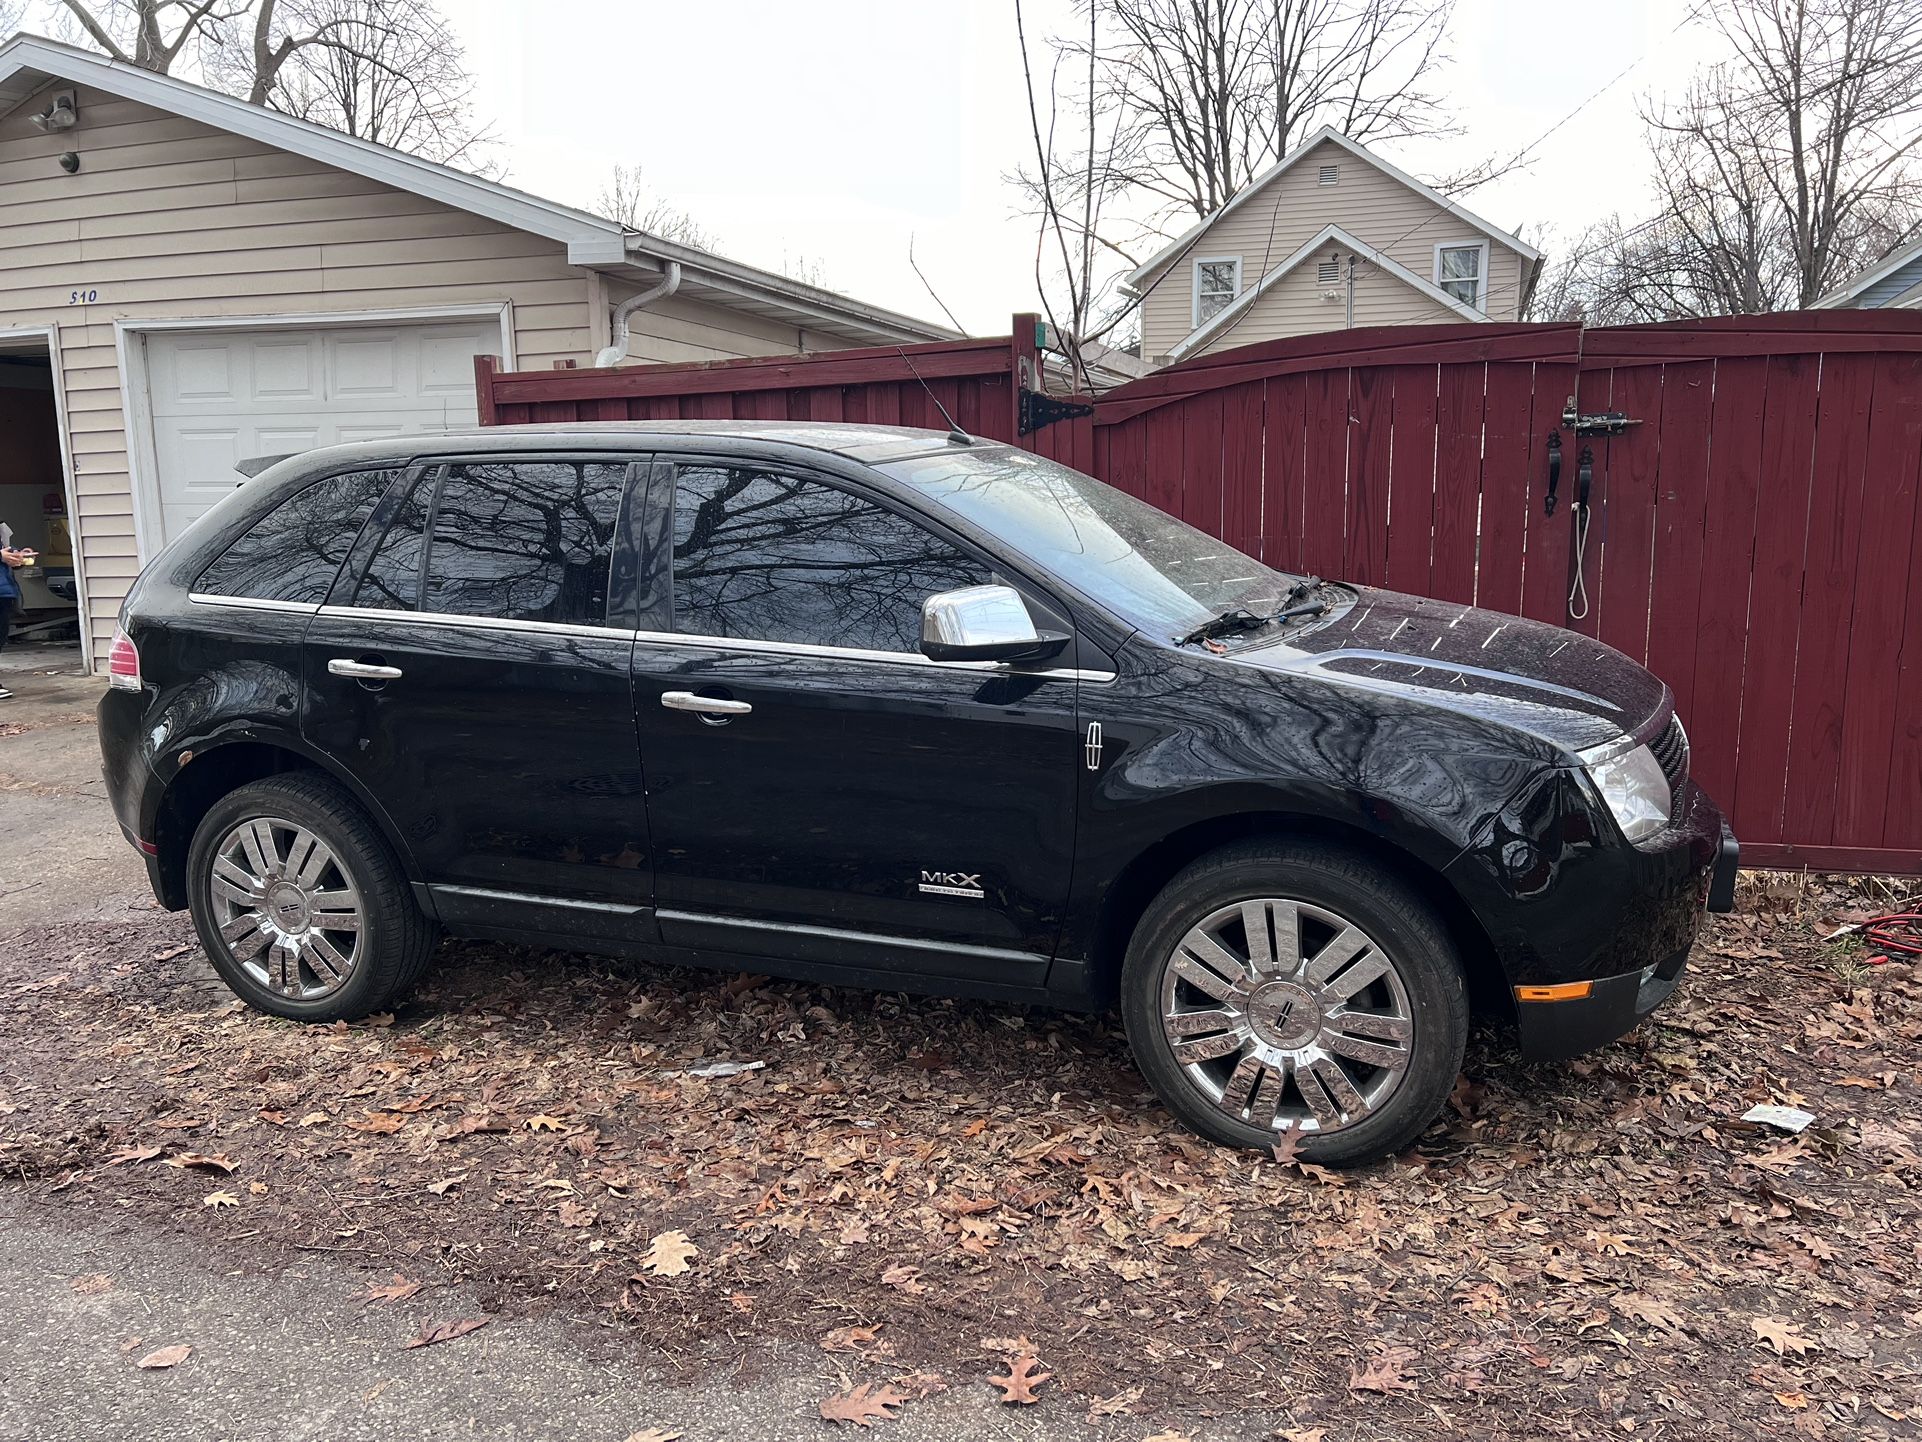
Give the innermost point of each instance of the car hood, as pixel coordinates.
(1558, 685)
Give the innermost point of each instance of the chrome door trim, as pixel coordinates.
(687, 640)
(835, 933)
(529, 898)
(253, 603)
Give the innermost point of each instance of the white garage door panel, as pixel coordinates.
(220, 397)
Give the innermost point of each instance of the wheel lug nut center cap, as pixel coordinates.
(287, 905)
(1284, 1015)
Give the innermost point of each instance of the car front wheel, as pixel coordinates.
(301, 904)
(1277, 988)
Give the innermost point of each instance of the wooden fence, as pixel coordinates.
(1753, 521)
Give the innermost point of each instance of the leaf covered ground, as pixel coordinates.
(953, 1194)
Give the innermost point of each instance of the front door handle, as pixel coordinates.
(362, 670)
(703, 705)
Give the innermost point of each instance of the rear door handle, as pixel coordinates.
(703, 705)
(362, 670)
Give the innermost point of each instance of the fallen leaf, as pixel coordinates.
(1183, 1240)
(652, 1434)
(398, 1290)
(380, 1123)
(205, 1161)
(667, 1255)
(865, 1340)
(92, 1284)
(1168, 1436)
(1794, 1401)
(1383, 1374)
(1781, 1335)
(1018, 1386)
(1640, 1307)
(220, 1199)
(134, 1154)
(545, 1124)
(1302, 1434)
(1114, 1406)
(165, 1357)
(440, 1187)
(1288, 1150)
(577, 1214)
(378, 1018)
(903, 1276)
(433, 1332)
(863, 1406)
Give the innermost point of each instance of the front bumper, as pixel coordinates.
(1613, 1006)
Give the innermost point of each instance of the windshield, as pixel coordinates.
(1140, 563)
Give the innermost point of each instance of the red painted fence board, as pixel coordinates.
(1753, 538)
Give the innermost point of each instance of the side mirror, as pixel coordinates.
(983, 623)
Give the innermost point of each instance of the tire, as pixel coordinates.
(1256, 1051)
(301, 957)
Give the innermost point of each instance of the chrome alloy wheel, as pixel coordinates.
(1287, 1016)
(286, 907)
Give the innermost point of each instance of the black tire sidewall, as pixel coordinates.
(1374, 899)
(369, 986)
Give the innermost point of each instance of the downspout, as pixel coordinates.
(616, 351)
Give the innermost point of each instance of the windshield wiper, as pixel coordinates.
(1240, 618)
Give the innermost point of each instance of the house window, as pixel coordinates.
(1330, 174)
(1460, 270)
(1217, 283)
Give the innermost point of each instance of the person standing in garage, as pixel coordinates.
(9, 589)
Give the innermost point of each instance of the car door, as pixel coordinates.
(471, 670)
(817, 789)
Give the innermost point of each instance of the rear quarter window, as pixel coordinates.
(292, 553)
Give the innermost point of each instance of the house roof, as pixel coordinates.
(1142, 274)
(1226, 316)
(28, 63)
(1863, 280)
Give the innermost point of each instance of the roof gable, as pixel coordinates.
(1225, 317)
(29, 62)
(1150, 269)
(1881, 283)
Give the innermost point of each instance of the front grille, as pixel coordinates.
(1671, 751)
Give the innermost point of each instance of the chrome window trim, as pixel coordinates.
(710, 643)
(477, 623)
(253, 603)
(532, 899)
(835, 933)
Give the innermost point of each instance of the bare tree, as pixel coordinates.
(389, 71)
(149, 33)
(627, 198)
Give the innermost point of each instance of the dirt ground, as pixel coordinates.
(930, 1190)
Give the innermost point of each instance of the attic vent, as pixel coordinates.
(1330, 174)
(1328, 272)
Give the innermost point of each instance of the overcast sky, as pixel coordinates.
(833, 130)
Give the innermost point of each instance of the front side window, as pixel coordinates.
(524, 541)
(1217, 282)
(770, 557)
(1458, 270)
(293, 552)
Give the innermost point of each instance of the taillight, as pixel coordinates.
(123, 662)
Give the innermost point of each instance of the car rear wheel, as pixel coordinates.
(301, 904)
(1288, 987)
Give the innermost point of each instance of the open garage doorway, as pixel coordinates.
(34, 494)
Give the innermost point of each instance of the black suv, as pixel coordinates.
(897, 709)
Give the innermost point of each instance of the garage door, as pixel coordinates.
(220, 397)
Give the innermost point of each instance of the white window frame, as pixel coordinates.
(1480, 302)
(1195, 318)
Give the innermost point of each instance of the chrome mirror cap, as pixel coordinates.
(978, 623)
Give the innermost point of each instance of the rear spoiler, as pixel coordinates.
(256, 464)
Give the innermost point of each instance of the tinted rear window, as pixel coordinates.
(294, 551)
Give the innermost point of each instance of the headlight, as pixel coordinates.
(1636, 791)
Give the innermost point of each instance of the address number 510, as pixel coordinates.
(83, 297)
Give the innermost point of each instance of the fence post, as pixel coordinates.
(1024, 344)
(484, 368)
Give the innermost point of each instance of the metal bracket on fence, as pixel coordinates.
(1038, 410)
(1602, 423)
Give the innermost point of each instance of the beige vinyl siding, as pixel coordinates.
(1293, 306)
(680, 329)
(169, 218)
(1372, 206)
